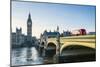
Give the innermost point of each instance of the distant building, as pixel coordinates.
(51, 34)
(35, 41)
(47, 35)
(13, 38)
(66, 33)
(18, 36)
(23, 38)
(92, 33)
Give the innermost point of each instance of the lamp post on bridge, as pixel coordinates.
(58, 46)
(45, 43)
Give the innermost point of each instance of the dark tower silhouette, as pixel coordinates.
(57, 28)
(29, 29)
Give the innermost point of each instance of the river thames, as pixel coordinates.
(25, 56)
(31, 56)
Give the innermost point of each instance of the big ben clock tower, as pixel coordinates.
(29, 29)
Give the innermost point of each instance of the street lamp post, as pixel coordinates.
(58, 48)
(56, 57)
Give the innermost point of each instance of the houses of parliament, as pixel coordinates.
(18, 38)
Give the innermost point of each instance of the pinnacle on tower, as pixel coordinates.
(29, 18)
(57, 28)
(29, 15)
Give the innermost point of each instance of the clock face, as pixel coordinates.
(29, 23)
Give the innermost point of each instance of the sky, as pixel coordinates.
(47, 16)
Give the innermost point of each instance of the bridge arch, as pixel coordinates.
(42, 43)
(77, 53)
(75, 46)
(51, 49)
(51, 44)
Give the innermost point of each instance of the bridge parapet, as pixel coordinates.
(83, 38)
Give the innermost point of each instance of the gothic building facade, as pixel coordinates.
(18, 38)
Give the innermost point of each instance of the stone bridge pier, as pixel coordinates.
(51, 49)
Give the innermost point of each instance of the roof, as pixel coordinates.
(29, 18)
(52, 33)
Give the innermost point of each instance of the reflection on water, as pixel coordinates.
(30, 56)
(25, 56)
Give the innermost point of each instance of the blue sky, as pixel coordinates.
(48, 16)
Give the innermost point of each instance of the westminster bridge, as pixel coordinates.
(81, 47)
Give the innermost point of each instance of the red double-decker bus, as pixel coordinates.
(79, 32)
